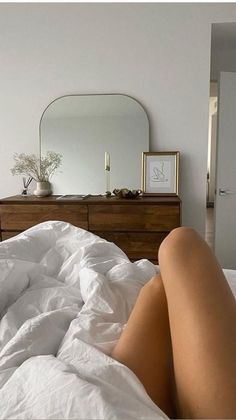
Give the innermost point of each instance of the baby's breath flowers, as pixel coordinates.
(40, 169)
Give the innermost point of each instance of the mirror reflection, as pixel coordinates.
(89, 131)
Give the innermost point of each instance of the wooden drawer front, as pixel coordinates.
(21, 217)
(7, 235)
(136, 245)
(134, 217)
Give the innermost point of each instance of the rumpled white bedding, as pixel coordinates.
(65, 296)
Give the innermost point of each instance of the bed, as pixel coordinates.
(66, 295)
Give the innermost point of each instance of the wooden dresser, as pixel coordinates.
(137, 226)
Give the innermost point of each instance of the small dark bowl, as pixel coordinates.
(125, 193)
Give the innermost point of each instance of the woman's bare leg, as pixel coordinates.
(145, 345)
(202, 320)
(202, 317)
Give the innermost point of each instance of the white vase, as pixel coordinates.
(43, 188)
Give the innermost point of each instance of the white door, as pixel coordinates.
(225, 200)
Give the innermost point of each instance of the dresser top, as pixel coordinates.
(89, 199)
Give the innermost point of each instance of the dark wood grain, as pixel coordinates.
(23, 216)
(136, 245)
(8, 235)
(134, 218)
(93, 199)
(136, 226)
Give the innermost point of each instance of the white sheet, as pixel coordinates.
(65, 295)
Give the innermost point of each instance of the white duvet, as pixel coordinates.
(65, 296)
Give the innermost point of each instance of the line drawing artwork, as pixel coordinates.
(160, 174)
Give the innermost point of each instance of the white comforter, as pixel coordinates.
(65, 295)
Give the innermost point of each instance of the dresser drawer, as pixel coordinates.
(8, 235)
(19, 217)
(136, 245)
(159, 218)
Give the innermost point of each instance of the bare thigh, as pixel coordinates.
(145, 345)
(202, 317)
(186, 317)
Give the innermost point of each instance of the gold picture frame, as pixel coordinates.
(160, 173)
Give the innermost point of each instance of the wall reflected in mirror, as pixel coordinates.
(82, 128)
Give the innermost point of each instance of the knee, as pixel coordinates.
(155, 283)
(179, 240)
(154, 287)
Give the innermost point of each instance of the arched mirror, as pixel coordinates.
(85, 128)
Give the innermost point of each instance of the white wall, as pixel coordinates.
(158, 53)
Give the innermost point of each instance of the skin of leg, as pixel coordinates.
(145, 345)
(202, 318)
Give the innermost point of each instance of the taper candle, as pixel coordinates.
(107, 161)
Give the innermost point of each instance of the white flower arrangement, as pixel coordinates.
(40, 169)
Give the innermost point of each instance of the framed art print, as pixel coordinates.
(160, 173)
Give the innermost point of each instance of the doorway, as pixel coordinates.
(223, 58)
(211, 164)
